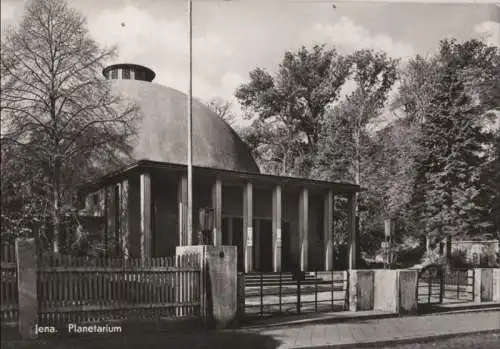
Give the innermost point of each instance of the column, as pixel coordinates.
(248, 226)
(145, 192)
(182, 196)
(277, 253)
(124, 219)
(352, 231)
(328, 230)
(303, 228)
(217, 206)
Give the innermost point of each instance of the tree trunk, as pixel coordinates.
(357, 167)
(56, 207)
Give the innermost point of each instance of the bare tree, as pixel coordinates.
(222, 108)
(60, 120)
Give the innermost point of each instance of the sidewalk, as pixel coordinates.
(400, 329)
(329, 332)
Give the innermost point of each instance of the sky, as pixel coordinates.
(231, 38)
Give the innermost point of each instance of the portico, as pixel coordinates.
(278, 223)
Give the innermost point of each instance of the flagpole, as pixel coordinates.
(190, 131)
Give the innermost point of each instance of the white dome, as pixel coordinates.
(162, 132)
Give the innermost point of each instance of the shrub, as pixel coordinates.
(408, 257)
(458, 259)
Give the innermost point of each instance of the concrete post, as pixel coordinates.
(386, 291)
(219, 283)
(361, 283)
(408, 292)
(496, 285)
(483, 285)
(27, 287)
(395, 291)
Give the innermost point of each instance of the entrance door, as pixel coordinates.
(286, 262)
(266, 245)
(232, 234)
(238, 241)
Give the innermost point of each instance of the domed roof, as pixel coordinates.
(162, 129)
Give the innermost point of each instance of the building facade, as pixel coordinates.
(277, 223)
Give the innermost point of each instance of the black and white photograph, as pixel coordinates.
(272, 174)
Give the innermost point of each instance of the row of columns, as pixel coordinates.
(248, 243)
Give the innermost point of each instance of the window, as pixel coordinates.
(140, 75)
(475, 258)
(95, 199)
(126, 74)
(114, 74)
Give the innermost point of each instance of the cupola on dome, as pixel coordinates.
(162, 129)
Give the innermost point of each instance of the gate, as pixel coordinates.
(430, 285)
(284, 293)
(437, 285)
(459, 285)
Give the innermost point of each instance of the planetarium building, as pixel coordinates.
(277, 223)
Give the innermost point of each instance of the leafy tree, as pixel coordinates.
(476, 69)
(345, 150)
(491, 179)
(417, 84)
(452, 141)
(60, 121)
(222, 108)
(290, 105)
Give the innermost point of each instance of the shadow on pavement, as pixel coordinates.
(449, 307)
(203, 339)
(310, 319)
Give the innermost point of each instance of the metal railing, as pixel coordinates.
(295, 293)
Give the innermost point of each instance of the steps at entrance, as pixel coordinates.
(274, 279)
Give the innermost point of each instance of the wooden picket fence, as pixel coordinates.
(92, 290)
(8, 286)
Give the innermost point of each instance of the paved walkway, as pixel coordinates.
(364, 331)
(329, 332)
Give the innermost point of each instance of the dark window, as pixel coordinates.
(475, 258)
(95, 199)
(114, 74)
(126, 73)
(140, 75)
